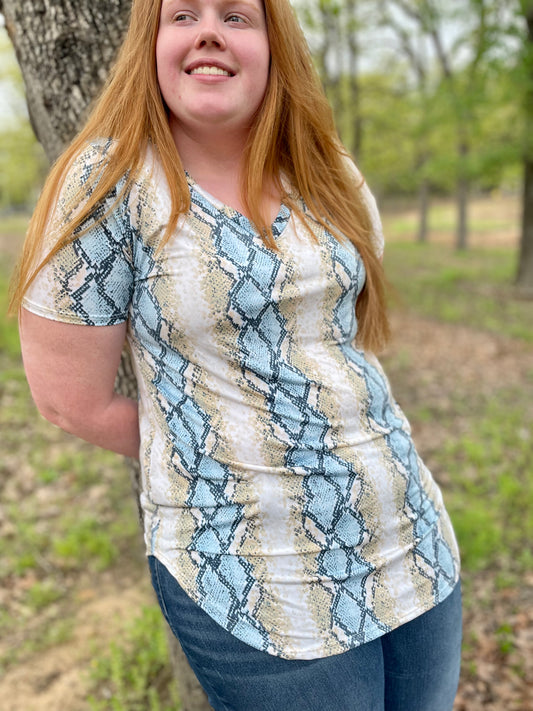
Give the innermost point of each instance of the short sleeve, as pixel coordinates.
(377, 236)
(90, 280)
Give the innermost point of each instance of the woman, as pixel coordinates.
(208, 215)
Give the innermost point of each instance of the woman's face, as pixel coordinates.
(213, 62)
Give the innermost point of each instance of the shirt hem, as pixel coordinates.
(310, 654)
(38, 310)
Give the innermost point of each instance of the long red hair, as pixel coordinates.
(293, 135)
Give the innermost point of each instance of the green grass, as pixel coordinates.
(403, 222)
(42, 594)
(472, 288)
(134, 675)
(82, 517)
(85, 542)
(441, 218)
(9, 339)
(15, 224)
(490, 496)
(50, 633)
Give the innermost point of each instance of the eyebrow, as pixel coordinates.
(246, 3)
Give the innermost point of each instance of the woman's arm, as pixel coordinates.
(71, 371)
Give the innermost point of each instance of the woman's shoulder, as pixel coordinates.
(91, 155)
(95, 158)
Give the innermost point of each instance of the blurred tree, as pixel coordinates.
(416, 54)
(462, 66)
(22, 164)
(333, 30)
(525, 268)
(22, 167)
(65, 49)
(387, 150)
(330, 51)
(354, 84)
(422, 93)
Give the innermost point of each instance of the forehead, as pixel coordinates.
(255, 4)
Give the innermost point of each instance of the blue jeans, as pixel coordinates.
(413, 668)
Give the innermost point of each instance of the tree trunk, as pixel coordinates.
(463, 189)
(524, 279)
(65, 49)
(461, 238)
(331, 42)
(353, 74)
(423, 207)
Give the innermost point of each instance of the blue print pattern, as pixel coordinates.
(281, 485)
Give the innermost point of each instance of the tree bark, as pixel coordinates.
(463, 190)
(65, 49)
(353, 77)
(422, 157)
(331, 42)
(524, 279)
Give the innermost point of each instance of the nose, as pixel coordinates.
(210, 34)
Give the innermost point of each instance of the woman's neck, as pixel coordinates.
(210, 152)
(215, 161)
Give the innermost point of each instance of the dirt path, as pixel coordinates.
(438, 359)
(55, 679)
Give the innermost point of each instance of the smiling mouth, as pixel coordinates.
(211, 71)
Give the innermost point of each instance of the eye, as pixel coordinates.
(182, 17)
(234, 18)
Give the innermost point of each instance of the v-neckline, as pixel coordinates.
(278, 225)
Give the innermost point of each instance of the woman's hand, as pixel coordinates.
(71, 371)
